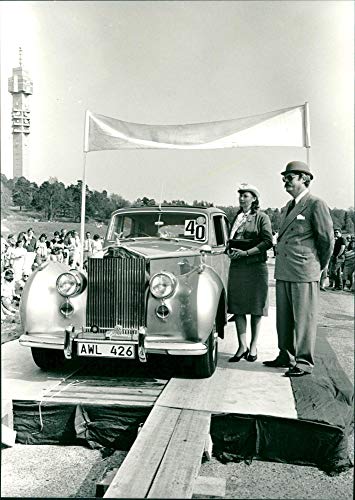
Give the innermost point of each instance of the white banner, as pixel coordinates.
(285, 127)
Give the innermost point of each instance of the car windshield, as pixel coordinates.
(182, 225)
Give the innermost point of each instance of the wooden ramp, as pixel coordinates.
(165, 459)
(99, 390)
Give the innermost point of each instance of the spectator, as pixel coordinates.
(87, 246)
(42, 250)
(74, 247)
(11, 244)
(19, 256)
(63, 239)
(62, 234)
(19, 285)
(349, 266)
(97, 247)
(323, 278)
(57, 247)
(8, 293)
(3, 252)
(30, 247)
(336, 261)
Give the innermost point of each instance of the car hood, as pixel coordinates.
(159, 247)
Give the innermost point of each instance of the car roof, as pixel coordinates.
(170, 208)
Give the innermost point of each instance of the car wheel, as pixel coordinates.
(205, 365)
(48, 359)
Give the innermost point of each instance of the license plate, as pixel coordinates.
(106, 350)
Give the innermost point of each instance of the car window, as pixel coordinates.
(183, 225)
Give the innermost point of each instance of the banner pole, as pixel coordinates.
(82, 215)
(83, 188)
(307, 129)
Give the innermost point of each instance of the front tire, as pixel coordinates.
(48, 359)
(204, 366)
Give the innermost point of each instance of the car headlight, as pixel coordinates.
(162, 285)
(70, 284)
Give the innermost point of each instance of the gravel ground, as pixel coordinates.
(53, 471)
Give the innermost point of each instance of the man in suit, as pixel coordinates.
(304, 247)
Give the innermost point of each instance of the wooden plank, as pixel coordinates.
(103, 380)
(107, 390)
(99, 397)
(209, 487)
(8, 436)
(228, 391)
(95, 402)
(138, 470)
(182, 460)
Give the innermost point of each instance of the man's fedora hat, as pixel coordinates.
(297, 167)
(248, 187)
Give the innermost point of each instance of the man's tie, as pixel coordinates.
(291, 206)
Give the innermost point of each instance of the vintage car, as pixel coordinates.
(159, 288)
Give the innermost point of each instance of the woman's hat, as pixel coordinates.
(297, 167)
(248, 187)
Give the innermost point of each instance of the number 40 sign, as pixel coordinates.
(192, 228)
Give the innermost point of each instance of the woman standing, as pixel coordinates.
(19, 256)
(251, 237)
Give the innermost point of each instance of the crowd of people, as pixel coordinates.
(342, 264)
(22, 255)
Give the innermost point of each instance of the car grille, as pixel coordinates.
(115, 293)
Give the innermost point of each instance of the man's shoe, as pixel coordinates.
(323, 289)
(296, 372)
(277, 363)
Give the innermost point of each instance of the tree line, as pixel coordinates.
(54, 201)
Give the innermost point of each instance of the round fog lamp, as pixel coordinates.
(163, 285)
(94, 329)
(66, 308)
(162, 311)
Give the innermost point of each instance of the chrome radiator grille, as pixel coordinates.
(115, 293)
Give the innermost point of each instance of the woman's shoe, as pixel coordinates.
(236, 358)
(252, 357)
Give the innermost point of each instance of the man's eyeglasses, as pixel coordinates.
(288, 177)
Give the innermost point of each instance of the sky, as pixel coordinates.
(177, 62)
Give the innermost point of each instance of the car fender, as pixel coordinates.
(40, 302)
(210, 302)
(193, 307)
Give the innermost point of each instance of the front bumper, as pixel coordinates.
(146, 344)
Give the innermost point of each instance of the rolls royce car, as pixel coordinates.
(159, 288)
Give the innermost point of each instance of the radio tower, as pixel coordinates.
(21, 87)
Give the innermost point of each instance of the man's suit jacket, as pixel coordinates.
(305, 242)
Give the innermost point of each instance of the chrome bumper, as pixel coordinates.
(154, 345)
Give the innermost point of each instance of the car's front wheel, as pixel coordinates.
(48, 359)
(205, 365)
